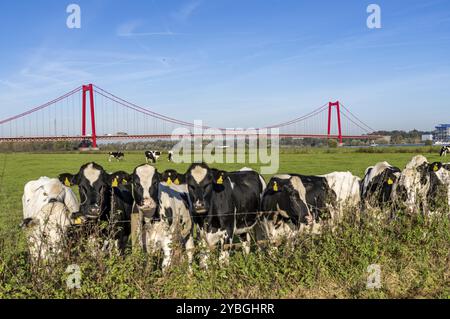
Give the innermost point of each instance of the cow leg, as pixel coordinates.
(189, 246)
(167, 250)
(245, 240)
(224, 258)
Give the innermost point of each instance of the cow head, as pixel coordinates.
(286, 195)
(199, 179)
(379, 182)
(418, 184)
(146, 179)
(172, 176)
(94, 186)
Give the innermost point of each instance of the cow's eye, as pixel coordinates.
(45, 194)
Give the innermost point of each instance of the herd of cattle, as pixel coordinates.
(159, 210)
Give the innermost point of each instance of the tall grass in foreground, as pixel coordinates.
(412, 251)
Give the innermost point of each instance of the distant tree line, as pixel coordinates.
(397, 137)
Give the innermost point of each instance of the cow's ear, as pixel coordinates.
(117, 179)
(218, 177)
(434, 167)
(68, 179)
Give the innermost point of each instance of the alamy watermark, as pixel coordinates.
(73, 281)
(210, 145)
(74, 19)
(374, 277)
(374, 19)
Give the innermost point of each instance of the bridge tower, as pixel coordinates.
(338, 111)
(88, 89)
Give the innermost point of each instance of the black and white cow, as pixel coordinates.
(444, 150)
(152, 156)
(104, 198)
(293, 203)
(172, 223)
(164, 209)
(225, 204)
(50, 209)
(378, 183)
(424, 187)
(170, 156)
(116, 155)
(284, 211)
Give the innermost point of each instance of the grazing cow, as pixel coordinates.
(378, 183)
(225, 204)
(170, 156)
(104, 198)
(49, 210)
(152, 156)
(423, 186)
(171, 224)
(444, 150)
(116, 155)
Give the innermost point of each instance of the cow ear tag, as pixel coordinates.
(115, 182)
(77, 221)
(435, 168)
(169, 181)
(390, 181)
(67, 183)
(275, 186)
(177, 182)
(220, 180)
(124, 181)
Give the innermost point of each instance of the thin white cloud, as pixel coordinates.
(186, 11)
(128, 29)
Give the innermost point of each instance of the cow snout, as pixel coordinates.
(93, 212)
(200, 207)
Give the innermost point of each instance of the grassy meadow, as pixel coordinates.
(413, 252)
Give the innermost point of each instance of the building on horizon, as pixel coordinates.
(442, 133)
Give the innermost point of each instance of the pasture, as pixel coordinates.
(413, 253)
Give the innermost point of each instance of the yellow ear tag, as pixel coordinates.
(390, 181)
(275, 186)
(169, 181)
(177, 182)
(220, 180)
(124, 181)
(77, 221)
(115, 183)
(435, 168)
(67, 183)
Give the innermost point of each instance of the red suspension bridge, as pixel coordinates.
(113, 118)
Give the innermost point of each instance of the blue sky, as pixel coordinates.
(235, 63)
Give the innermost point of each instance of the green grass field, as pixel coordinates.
(413, 252)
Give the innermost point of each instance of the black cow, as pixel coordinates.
(104, 198)
(116, 155)
(378, 184)
(225, 204)
(444, 150)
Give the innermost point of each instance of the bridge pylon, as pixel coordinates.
(88, 89)
(338, 111)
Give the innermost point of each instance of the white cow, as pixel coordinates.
(172, 224)
(48, 207)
